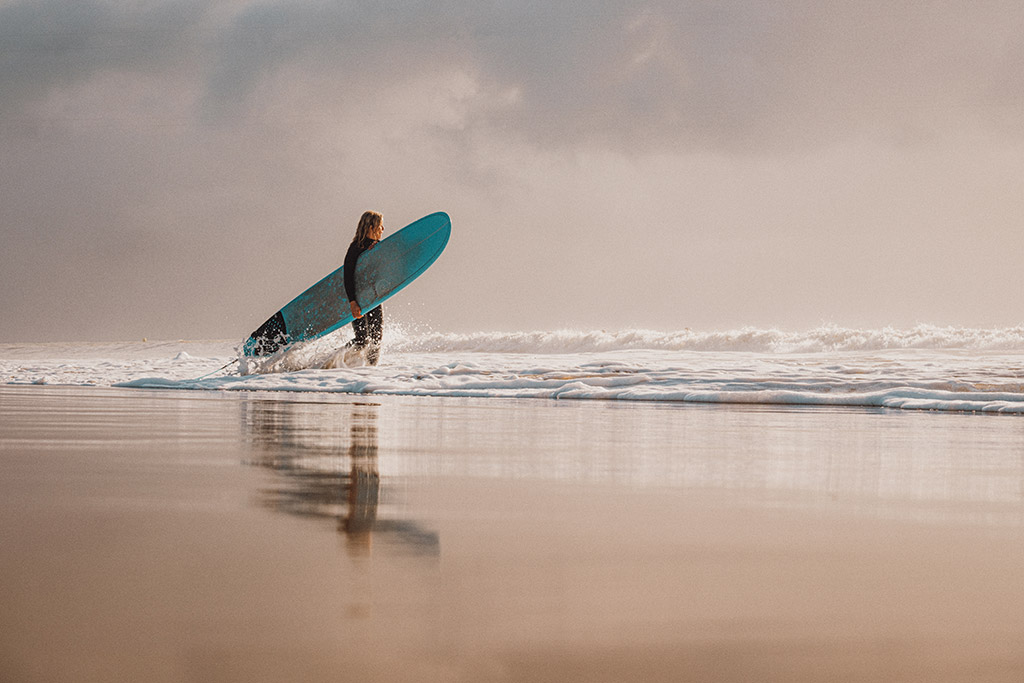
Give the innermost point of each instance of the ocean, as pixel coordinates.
(922, 368)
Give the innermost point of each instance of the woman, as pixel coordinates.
(369, 327)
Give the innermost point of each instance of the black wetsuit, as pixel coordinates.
(370, 328)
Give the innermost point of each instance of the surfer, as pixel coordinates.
(369, 326)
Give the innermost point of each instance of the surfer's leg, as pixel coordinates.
(359, 326)
(374, 334)
(375, 325)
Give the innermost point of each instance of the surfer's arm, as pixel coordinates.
(350, 279)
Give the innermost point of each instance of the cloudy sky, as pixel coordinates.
(182, 168)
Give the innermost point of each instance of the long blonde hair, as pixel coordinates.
(368, 222)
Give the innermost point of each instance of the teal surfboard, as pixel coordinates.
(381, 272)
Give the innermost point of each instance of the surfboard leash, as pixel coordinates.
(210, 374)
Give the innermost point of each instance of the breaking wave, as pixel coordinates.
(827, 338)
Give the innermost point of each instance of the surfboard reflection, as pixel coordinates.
(328, 456)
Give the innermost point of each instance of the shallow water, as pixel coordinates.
(229, 536)
(935, 369)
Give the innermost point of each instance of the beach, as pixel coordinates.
(501, 342)
(264, 536)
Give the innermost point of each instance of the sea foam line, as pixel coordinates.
(617, 383)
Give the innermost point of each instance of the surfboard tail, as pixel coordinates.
(270, 336)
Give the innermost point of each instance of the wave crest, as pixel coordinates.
(746, 339)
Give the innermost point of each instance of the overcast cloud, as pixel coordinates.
(182, 169)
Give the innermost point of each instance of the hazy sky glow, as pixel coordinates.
(181, 169)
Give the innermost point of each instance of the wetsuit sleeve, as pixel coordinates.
(351, 256)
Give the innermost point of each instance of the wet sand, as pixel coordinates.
(185, 536)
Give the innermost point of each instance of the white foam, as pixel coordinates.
(927, 368)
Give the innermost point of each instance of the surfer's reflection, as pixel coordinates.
(364, 483)
(328, 454)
